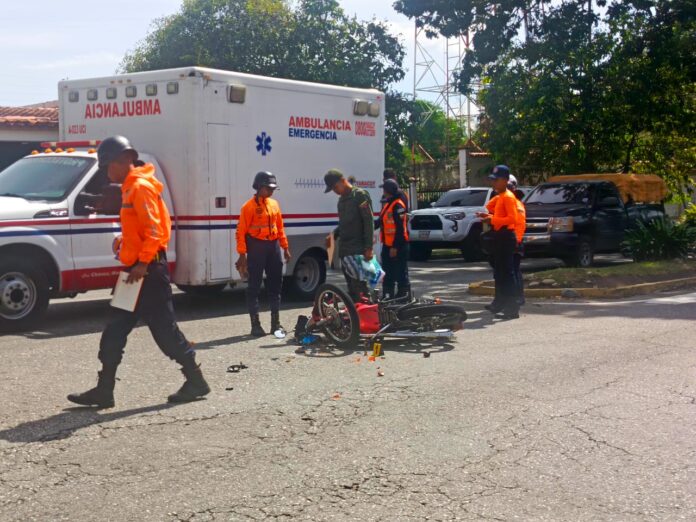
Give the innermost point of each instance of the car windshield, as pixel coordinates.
(45, 178)
(560, 194)
(463, 198)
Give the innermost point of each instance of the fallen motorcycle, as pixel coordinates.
(346, 323)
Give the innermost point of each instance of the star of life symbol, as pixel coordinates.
(263, 143)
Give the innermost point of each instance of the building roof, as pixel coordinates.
(43, 115)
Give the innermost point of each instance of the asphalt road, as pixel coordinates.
(576, 411)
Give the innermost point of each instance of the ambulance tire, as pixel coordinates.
(308, 275)
(202, 290)
(24, 293)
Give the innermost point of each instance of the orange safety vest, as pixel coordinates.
(520, 225)
(388, 224)
(260, 219)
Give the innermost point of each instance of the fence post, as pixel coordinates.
(413, 194)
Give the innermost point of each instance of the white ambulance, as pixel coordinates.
(208, 132)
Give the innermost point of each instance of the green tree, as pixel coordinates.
(569, 87)
(309, 40)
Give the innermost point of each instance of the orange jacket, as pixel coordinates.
(521, 225)
(505, 214)
(260, 218)
(145, 220)
(393, 218)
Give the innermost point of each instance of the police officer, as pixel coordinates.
(394, 237)
(356, 226)
(260, 237)
(503, 219)
(146, 229)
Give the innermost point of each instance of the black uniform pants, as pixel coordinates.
(155, 309)
(264, 256)
(519, 280)
(395, 272)
(504, 243)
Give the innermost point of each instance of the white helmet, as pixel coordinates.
(512, 182)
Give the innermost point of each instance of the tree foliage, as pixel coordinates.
(574, 85)
(309, 40)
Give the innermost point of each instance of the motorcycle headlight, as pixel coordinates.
(561, 224)
(455, 217)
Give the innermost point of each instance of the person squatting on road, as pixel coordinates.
(146, 229)
(520, 228)
(394, 237)
(503, 219)
(260, 237)
(355, 229)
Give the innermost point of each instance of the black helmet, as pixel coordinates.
(112, 147)
(264, 179)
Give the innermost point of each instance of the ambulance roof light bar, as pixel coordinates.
(70, 144)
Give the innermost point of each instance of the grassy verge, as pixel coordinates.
(612, 276)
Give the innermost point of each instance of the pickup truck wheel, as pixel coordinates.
(471, 247)
(308, 275)
(24, 293)
(419, 252)
(583, 257)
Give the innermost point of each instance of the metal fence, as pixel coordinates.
(425, 197)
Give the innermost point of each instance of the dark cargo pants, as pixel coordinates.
(154, 308)
(264, 256)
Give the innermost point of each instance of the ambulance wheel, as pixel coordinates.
(24, 292)
(202, 290)
(308, 275)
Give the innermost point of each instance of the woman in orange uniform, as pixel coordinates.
(260, 238)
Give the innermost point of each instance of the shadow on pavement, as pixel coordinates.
(64, 424)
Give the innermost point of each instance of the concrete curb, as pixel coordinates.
(487, 288)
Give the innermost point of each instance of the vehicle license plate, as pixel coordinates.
(423, 234)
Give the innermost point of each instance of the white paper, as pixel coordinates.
(126, 294)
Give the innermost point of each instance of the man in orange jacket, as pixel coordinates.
(503, 219)
(260, 237)
(146, 230)
(520, 229)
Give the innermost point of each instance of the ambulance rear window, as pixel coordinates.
(45, 178)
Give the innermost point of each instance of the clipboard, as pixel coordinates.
(126, 294)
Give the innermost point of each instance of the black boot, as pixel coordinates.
(102, 395)
(193, 389)
(256, 329)
(275, 321)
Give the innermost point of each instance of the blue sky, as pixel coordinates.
(42, 42)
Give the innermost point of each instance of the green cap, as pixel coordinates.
(332, 177)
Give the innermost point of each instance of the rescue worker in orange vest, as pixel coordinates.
(146, 229)
(503, 219)
(394, 237)
(260, 237)
(520, 229)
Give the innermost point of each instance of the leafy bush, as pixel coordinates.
(660, 239)
(688, 217)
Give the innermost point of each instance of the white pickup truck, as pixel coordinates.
(208, 132)
(450, 222)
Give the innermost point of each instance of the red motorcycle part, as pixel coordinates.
(369, 318)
